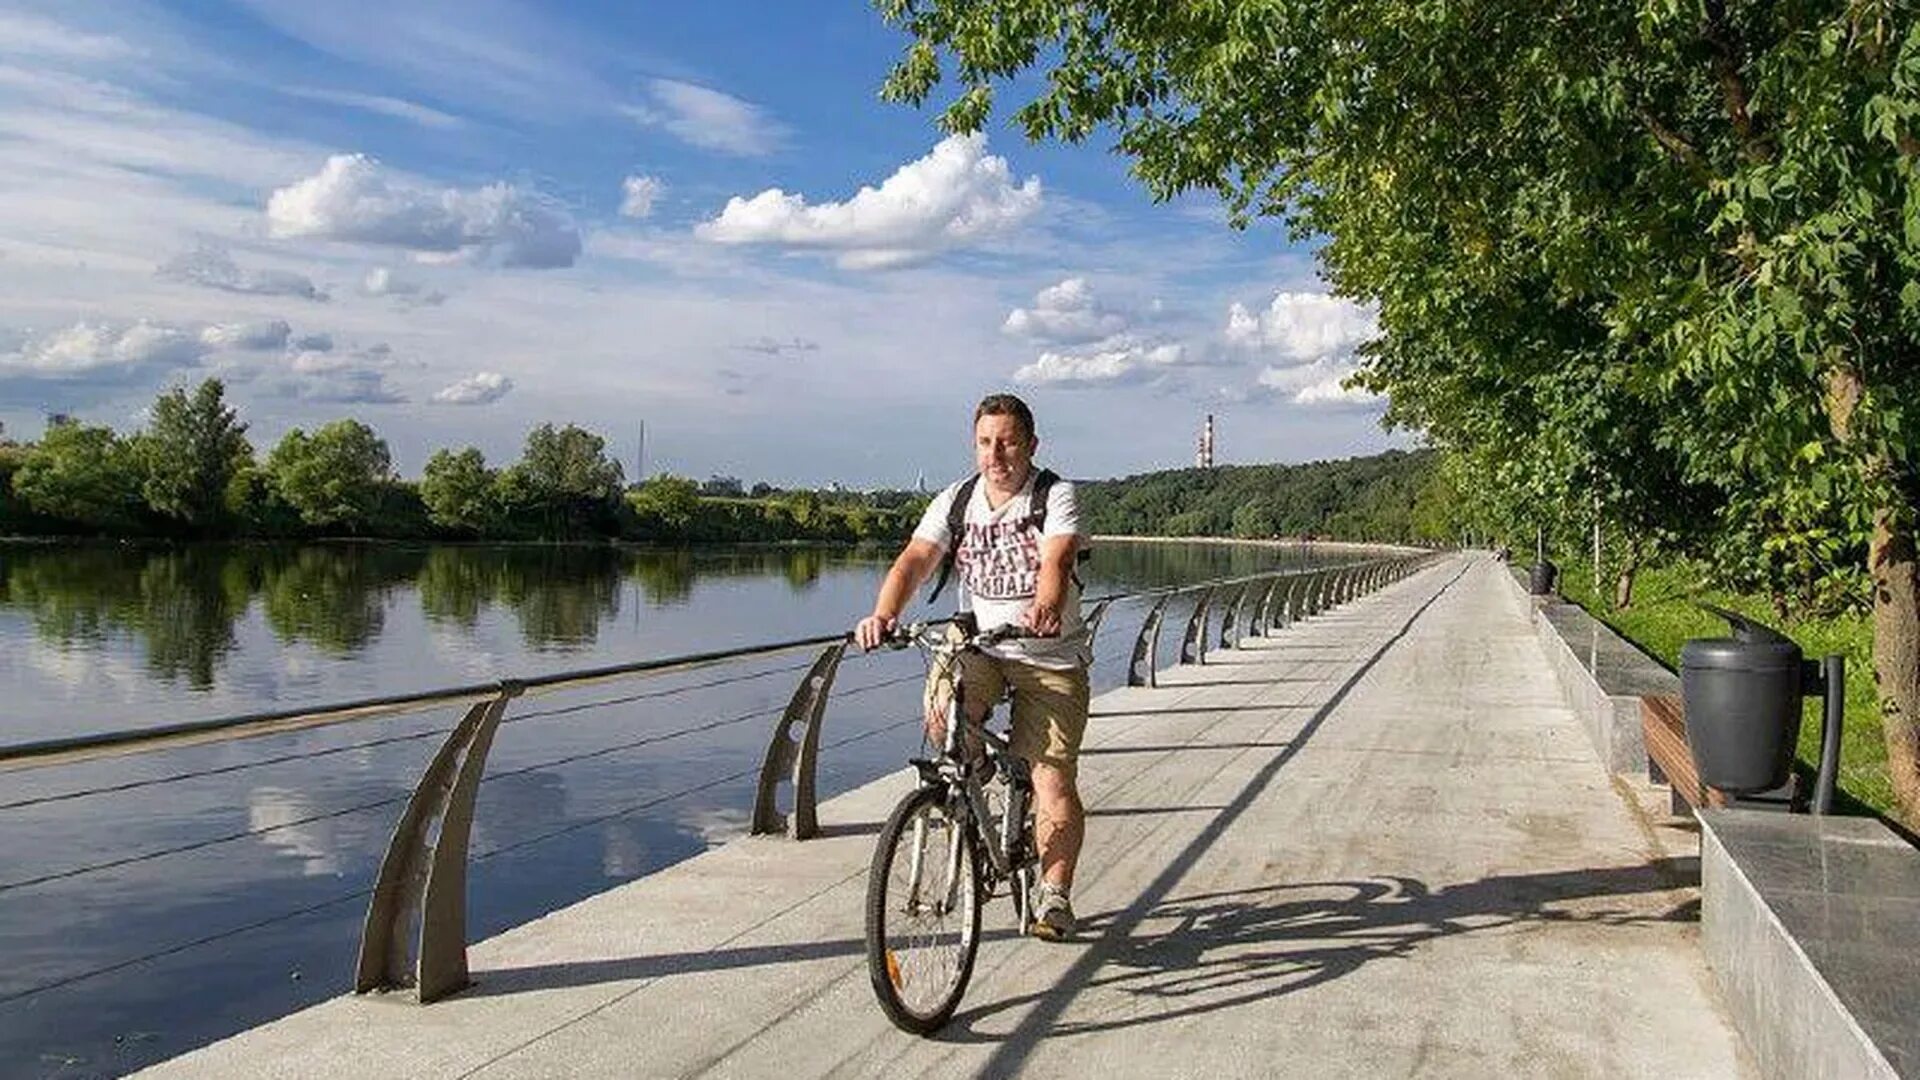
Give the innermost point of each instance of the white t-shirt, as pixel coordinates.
(998, 568)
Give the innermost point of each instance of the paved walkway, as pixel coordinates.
(1375, 844)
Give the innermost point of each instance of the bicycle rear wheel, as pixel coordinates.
(923, 912)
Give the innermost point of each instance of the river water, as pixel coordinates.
(155, 902)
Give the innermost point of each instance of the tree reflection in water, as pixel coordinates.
(183, 602)
(560, 593)
(666, 577)
(335, 597)
(181, 605)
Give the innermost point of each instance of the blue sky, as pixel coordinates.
(457, 220)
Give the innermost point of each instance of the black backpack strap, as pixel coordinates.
(956, 528)
(1043, 482)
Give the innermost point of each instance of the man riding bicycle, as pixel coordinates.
(1012, 533)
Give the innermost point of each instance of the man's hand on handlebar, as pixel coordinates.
(1043, 620)
(874, 630)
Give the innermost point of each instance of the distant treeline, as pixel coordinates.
(1390, 497)
(193, 474)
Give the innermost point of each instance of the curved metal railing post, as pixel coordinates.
(430, 876)
(796, 758)
(1193, 647)
(1250, 619)
(1296, 591)
(1093, 621)
(1241, 617)
(1264, 616)
(1230, 616)
(1146, 645)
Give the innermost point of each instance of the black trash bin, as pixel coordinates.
(1742, 698)
(1546, 578)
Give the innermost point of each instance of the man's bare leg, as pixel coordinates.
(1059, 824)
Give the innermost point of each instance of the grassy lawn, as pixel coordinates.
(1663, 617)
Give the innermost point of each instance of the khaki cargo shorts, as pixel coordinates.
(1049, 706)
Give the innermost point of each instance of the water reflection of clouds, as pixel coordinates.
(462, 650)
(320, 846)
(718, 824)
(76, 666)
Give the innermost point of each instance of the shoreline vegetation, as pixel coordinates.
(192, 474)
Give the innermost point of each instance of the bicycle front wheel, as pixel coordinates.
(923, 912)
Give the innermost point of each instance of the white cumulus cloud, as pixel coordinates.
(254, 336)
(483, 388)
(89, 350)
(1302, 327)
(708, 118)
(214, 268)
(957, 195)
(334, 379)
(1065, 313)
(1312, 338)
(637, 195)
(1112, 364)
(1320, 383)
(380, 281)
(354, 199)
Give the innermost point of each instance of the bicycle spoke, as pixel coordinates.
(924, 918)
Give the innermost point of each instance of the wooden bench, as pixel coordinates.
(1664, 723)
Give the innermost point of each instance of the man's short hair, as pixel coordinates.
(1006, 405)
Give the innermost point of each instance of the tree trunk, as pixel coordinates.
(1623, 588)
(1896, 600)
(1896, 654)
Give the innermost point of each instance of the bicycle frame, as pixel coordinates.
(954, 769)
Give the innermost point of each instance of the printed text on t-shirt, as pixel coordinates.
(1000, 560)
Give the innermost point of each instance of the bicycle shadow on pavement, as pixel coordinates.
(1191, 955)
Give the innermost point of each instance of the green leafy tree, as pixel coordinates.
(565, 482)
(1253, 521)
(334, 478)
(665, 506)
(194, 447)
(1714, 201)
(82, 475)
(459, 490)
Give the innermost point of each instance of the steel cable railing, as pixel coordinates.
(227, 838)
(67, 749)
(305, 755)
(361, 894)
(1330, 586)
(645, 740)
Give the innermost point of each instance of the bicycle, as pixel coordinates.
(943, 852)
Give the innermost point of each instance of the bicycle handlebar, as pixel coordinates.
(904, 635)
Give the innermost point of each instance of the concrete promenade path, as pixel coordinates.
(1374, 844)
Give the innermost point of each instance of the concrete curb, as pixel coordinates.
(1805, 921)
(1602, 675)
